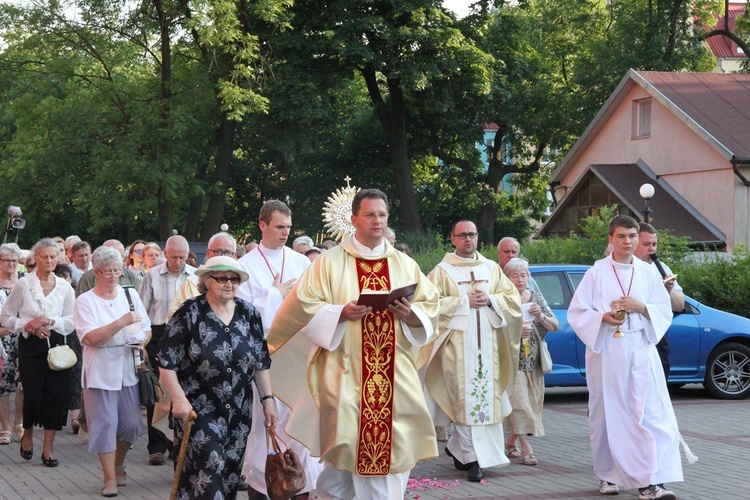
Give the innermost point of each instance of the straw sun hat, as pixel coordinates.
(222, 264)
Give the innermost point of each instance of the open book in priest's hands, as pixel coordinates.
(379, 301)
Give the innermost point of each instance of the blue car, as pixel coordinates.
(708, 346)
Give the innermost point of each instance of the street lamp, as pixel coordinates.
(647, 192)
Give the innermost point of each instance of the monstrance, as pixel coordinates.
(337, 211)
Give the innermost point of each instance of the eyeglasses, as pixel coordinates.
(222, 253)
(463, 236)
(9, 261)
(222, 280)
(30, 266)
(138, 251)
(111, 272)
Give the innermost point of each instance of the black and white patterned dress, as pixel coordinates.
(215, 364)
(10, 379)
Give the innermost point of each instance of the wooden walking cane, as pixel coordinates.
(183, 450)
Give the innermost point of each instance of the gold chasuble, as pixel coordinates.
(472, 365)
(358, 402)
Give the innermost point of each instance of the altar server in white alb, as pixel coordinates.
(635, 442)
(273, 270)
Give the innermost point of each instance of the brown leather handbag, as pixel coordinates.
(284, 474)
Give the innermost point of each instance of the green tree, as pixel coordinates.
(417, 68)
(159, 90)
(740, 35)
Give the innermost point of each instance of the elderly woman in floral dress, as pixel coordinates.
(528, 391)
(9, 381)
(213, 349)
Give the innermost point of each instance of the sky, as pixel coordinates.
(460, 7)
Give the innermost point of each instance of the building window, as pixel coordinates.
(641, 123)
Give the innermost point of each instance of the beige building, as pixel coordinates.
(687, 134)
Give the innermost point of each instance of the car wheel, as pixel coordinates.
(728, 371)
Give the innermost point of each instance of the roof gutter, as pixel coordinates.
(735, 167)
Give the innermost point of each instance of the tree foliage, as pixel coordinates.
(127, 120)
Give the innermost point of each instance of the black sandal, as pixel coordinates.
(50, 462)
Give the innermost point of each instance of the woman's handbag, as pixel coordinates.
(545, 360)
(284, 474)
(61, 357)
(148, 383)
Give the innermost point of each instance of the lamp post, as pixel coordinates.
(647, 192)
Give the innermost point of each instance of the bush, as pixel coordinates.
(717, 282)
(428, 248)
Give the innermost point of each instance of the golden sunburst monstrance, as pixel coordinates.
(337, 211)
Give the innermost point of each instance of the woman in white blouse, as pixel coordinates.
(112, 334)
(40, 308)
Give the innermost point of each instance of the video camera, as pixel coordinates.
(15, 223)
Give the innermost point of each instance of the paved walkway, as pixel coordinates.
(717, 431)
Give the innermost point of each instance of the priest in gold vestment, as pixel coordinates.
(349, 372)
(472, 364)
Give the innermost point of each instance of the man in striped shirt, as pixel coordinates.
(157, 291)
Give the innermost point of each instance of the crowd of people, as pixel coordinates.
(267, 336)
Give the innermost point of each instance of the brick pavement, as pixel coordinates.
(717, 431)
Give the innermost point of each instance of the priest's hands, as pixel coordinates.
(478, 299)
(353, 312)
(285, 287)
(401, 308)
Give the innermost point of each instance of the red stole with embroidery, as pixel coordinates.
(374, 444)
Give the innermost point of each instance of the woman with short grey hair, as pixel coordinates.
(112, 334)
(40, 309)
(527, 398)
(10, 381)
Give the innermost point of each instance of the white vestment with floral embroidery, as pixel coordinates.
(471, 366)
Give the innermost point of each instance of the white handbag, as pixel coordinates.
(61, 357)
(545, 360)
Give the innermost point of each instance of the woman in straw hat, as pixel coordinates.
(213, 350)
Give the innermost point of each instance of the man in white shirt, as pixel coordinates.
(81, 253)
(509, 248)
(157, 291)
(648, 243)
(273, 270)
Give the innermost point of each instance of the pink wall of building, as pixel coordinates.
(673, 151)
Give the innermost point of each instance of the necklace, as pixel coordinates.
(630, 286)
(618, 331)
(283, 261)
